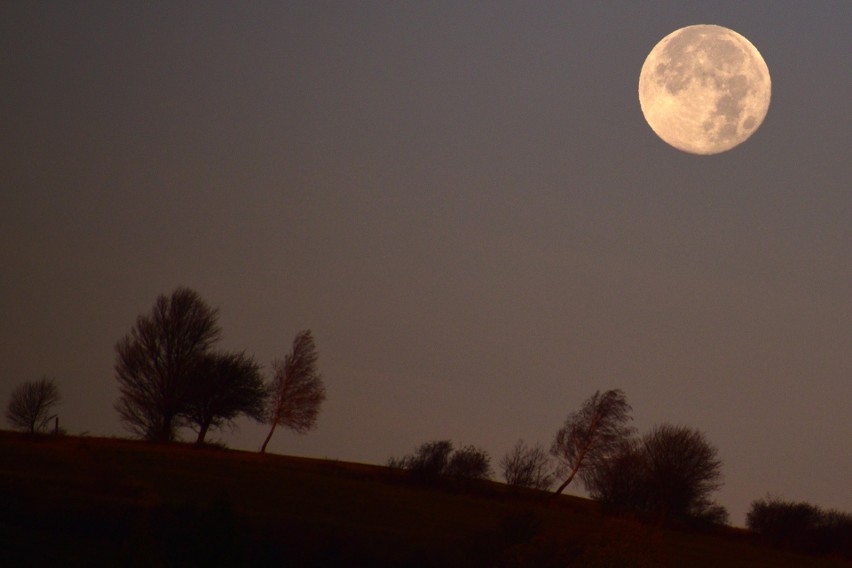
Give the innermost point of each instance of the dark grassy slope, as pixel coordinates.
(99, 502)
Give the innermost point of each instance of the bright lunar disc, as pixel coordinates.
(704, 89)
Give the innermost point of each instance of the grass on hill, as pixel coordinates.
(69, 501)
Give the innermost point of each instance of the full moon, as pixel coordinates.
(704, 89)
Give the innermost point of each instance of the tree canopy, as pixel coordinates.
(297, 391)
(527, 466)
(221, 387)
(155, 361)
(592, 434)
(670, 472)
(31, 403)
(432, 460)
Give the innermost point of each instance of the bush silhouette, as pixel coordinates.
(525, 466)
(801, 526)
(469, 463)
(432, 460)
(670, 473)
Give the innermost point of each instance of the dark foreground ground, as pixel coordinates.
(68, 501)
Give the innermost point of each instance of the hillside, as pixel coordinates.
(68, 501)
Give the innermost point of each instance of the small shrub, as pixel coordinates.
(469, 463)
(434, 459)
(430, 460)
(801, 526)
(526, 466)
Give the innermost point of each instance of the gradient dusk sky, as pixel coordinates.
(462, 201)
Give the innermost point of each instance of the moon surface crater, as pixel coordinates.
(704, 89)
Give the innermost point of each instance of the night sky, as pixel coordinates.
(463, 202)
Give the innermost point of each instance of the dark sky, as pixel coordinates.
(464, 203)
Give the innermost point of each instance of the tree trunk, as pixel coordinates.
(574, 471)
(268, 436)
(162, 432)
(570, 478)
(202, 432)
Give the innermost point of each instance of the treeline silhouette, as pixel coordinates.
(802, 527)
(667, 475)
(171, 377)
(434, 460)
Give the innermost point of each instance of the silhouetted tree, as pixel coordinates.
(525, 466)
(434, 459)
(221, 387)
(801, 526)
(683, 471)
(469, 463)
(782, 521)
(155, 360)
(591, 434)
(429, 460)
(670, 472)
(297, 390)
(31, 404)
(620, 481)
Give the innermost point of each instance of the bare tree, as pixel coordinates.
(469, 462)
(683, 469)
(671, 472)
(297, 390)
(154, 362)
(31, 404)
(525, 466)
(223, 386)
(592, 433)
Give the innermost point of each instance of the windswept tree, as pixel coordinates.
(31, 404)
(591, 434)
(297, 390)
(221, 387)
(155, 360)
(527, 466)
